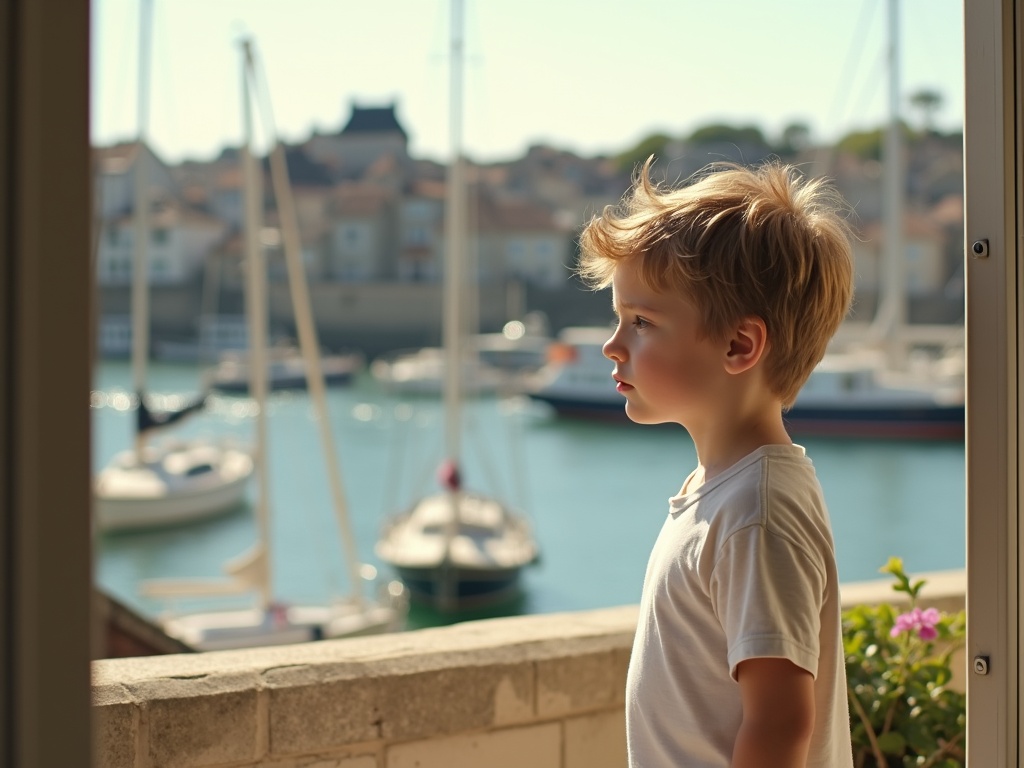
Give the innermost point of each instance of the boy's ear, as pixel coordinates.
(746, 345)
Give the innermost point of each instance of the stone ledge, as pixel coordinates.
(492, 641)
(396, 706)
(549, 684)
(272, 706)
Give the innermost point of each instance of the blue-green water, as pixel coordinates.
(596, 493)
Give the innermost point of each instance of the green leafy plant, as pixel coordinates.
(898, 670)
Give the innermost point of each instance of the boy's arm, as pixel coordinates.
(778, 714)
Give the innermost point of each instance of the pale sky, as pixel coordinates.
(590, 76)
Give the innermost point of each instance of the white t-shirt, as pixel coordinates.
(743, 568)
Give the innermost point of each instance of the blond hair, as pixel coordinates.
(738, 242)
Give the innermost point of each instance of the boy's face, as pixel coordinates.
(665, 367)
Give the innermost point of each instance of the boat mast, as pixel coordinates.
(455, 251)
(140, 242)
(453, 330)
(308, 343)
(256, 304)
(891, 317)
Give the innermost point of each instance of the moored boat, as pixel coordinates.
(286, 369)
(170, 482)
(457, 550)
(852, 394)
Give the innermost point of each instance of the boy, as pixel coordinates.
(727, 292)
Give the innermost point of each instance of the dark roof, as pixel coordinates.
(302, 171)
(373, 120)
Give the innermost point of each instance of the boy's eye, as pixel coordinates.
(640, 322)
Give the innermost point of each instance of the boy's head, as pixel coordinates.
(737, 243)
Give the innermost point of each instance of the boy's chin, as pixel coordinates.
(642, 416)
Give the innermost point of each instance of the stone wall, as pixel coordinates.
(540, 691)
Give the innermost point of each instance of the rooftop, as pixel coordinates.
(373, 120)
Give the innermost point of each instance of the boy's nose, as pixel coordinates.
(612, 349)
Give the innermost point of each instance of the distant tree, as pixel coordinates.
(748, 139)
(796, 137)
(719, 133)
(927, 102)
(867, 145)
(637, 155)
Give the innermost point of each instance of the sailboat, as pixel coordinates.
(270, 622)
(457, 549)
(879, 385)
(173, 481)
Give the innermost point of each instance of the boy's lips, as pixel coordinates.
(620, 385)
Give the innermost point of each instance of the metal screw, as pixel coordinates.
(980, 249)
(981, 665)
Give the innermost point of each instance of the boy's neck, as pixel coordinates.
(722, 443)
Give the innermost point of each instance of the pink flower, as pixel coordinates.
(922, 621)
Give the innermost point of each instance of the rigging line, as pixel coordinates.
(306, 325)
(484, 455)
(259, 83)
(824, 154)
(303, 498)
(427, 457)
(209, 318)
(471, 318)
(170, 127)
(400, 434)
(870, 84)
(852, 63)
(923, 28)
(434, 456)
(512, 406)
(126, 36)
(475, 69)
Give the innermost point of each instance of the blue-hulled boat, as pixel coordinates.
(849, 394)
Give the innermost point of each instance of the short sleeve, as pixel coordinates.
(768, 595)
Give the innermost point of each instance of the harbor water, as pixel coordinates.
(595, 493)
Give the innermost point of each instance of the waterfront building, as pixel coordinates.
(420, 222)
(369, 134)
(180, 238)
(362, 245)
(116, 170)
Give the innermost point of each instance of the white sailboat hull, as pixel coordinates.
(172, 484)
(421, 372)
(282, 625)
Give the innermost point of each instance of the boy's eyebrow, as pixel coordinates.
(617, 305)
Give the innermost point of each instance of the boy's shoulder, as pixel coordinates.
(774, 488)
(773, 468)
